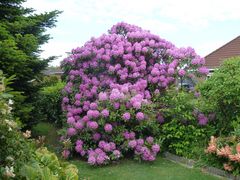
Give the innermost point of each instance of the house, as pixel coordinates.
(53, 71)
(230, 49)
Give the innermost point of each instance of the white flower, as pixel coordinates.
(10, 102)
(27, 134)
(9, 109)
(9, 158)
(11, 123)
(9, 172)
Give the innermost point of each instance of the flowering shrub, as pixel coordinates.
(111, 83)
(19, 157)
(227, 151)
(15, 148)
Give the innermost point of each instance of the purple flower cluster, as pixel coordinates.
(202, 119)
(126, 116)
(146, 150)
(79, 148)
(120, 72)
(104, 153)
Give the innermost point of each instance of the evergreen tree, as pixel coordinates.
(22, 32)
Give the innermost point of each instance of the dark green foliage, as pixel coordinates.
(180, 130)
(222, 90)
(42, 129)
(22, 32)
(49, 131)
(48, 104)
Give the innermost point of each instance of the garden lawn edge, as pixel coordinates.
(190, 164)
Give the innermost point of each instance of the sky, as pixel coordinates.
(204, 25)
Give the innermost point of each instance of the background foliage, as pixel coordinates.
(22, 32)
(222, 91)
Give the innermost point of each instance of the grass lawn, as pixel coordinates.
(131, 170)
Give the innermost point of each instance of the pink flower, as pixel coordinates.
(93, 113)
(117, 153)
(70, 120)
(202, 119)
(149, 139)
(140, 116)
(132, 144)
(100, 159)
(155, 148)
(126, 116)
(160, 118)
(78, 148)
(137, 105)
(112, 145)
(65, 100)
(102, 96)
(131, 135)
(92, 125)
(116, 105)
(65, 153)
(126, 135)
(181, 72)
(108, 127)
(96, 136)
(79, 125)
(107, 147)
(79, 142)
(101, 144)
(71, 131)
(78, 96)
(203, 70)
(93, 106)
(105, 113)
(171, 71)
(91, 160)
(140, 142)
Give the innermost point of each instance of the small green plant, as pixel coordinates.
(46, 166)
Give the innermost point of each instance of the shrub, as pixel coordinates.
(185, 123)
(222, 90)
(111, 83)
(15, 150)
(226, 151)
(47, 166)
(48, 104)
(18, 155)
(42, 129)
(49, 80)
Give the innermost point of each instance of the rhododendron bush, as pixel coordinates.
(111, 83)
